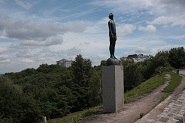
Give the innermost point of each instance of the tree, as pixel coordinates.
(160, 63)
(95, 89)
(15, 106)
(9, 99)
(82, 71)
(177, 57)
(132, 77)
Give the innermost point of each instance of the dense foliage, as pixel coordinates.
(50, 90)
(54, 91)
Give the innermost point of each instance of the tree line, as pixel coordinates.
(163, 61)
(55, 91)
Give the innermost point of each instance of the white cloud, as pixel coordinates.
(4, 58)
(172, 7)
(124, 29)
(25, 53)
(165, 20)
(96, 59)
(167, 11)
(37, 30)
(162, 20)
(48, 42)
(73, 26)
(120, 6)
(176, 37)
(72, 52)
(149, 28)
(143, 50)
(5, 61)
(170, 12)
(98, 41)
(26, 60)
(23, 4)
(2, 50)
(53, 54)
(103, 21)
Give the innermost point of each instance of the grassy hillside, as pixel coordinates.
(151, 84)
(144, 88)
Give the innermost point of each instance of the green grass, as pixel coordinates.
(78, 116)
(175, 81)
(151, 84)
(144, 88)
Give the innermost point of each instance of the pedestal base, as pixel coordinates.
(112, 61)
(113, 90)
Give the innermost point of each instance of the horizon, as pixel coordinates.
(56, 64)
(35, 32)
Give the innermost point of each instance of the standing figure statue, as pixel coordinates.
(112, 35)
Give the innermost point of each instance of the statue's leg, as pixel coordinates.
(114, 43)
(111, 49)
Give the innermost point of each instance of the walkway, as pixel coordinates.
(171, 110)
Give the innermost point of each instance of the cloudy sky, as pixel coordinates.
(34, 32)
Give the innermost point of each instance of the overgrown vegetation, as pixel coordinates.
(55, 91)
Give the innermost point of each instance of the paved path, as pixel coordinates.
(171, 110)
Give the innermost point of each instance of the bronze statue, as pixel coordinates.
(112, 35)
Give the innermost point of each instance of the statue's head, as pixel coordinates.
(111, 16)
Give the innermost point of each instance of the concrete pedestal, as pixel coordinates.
(112, 86)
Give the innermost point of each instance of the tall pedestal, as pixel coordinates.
(113, 88)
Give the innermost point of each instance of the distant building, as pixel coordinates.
(137, 57)
(64, 62)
